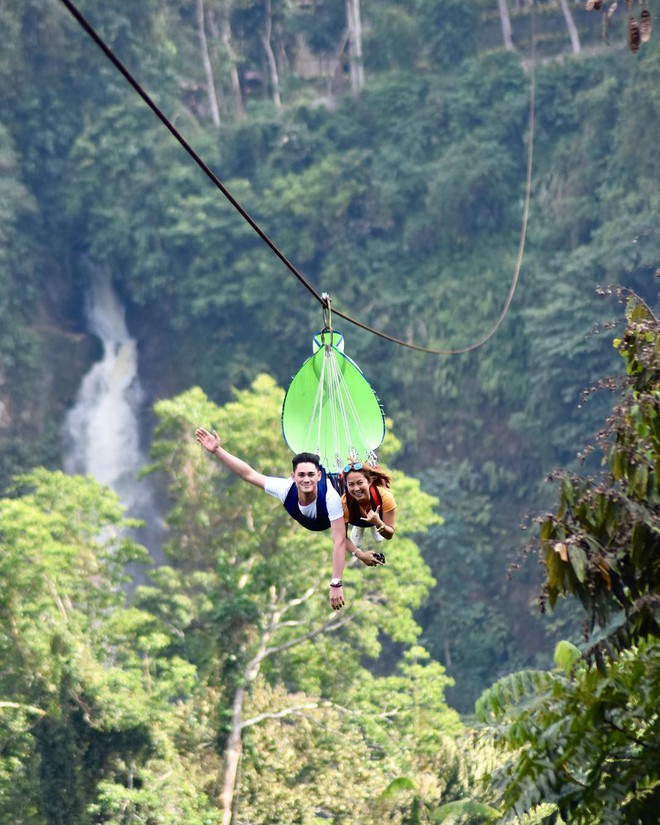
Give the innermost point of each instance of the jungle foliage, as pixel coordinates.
(586, 737)
(127, 709)
(403, 200)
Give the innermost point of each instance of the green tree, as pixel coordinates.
(268, 613)
(586, 736)
(353, 751)
(19, 353)
(442, 112)
(582, 740)
(90, 707)
(602, 543)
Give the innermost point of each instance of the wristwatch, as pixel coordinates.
(335, 582)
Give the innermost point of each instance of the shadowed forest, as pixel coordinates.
(167, 653)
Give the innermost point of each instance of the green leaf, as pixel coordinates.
(578, 559)
(566, 655)
(396, 786)
(476, 811)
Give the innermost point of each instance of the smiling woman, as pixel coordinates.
(368, 503)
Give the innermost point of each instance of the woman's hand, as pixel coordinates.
(374, 517)
(370, 559)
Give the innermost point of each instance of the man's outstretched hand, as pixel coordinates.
(209, 441)
(337, 598)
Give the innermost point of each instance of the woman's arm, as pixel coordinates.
(365, 556)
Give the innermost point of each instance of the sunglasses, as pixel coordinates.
(356, 466)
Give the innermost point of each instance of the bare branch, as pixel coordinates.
(505, 20)
(282, 713)
(21, 706)
(354, 25)
(290, 623)
(270, 56)
(328, 627)
(570, 25)
(300, 600)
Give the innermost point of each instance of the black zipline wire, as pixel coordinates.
(323, 299)
(193, 154)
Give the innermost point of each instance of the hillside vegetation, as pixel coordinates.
(387, 161)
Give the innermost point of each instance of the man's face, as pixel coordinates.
(358, 486)
(306, 477)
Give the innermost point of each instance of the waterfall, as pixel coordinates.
(101, 431)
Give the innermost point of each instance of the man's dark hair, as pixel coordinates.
(301, 458)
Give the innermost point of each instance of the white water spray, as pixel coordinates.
(101, 431)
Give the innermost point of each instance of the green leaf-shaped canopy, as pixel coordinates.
(330, 408)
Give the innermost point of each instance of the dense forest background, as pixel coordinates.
(383, 147)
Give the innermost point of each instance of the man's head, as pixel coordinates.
(306, 458)
(306, 473)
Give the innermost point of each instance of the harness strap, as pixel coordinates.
(322, 520)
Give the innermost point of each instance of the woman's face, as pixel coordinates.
(357, 485)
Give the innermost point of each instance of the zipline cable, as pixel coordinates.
(193, 154)
(516, 274)
(323, 299)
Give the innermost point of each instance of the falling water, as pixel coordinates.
(101, 431)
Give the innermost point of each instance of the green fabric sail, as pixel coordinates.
(330, 408)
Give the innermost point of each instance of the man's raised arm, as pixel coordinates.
(238, 467)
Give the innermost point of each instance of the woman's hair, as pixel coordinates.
(375, 476)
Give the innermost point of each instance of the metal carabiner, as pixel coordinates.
(327, 312)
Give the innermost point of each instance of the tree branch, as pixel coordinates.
(327, 627)
(282, 713)
(300, 600)
(631, 737)
(206, 60)
(21, 706)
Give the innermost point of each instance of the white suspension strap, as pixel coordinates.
(336, 405)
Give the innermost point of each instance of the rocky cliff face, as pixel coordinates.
(55, 352)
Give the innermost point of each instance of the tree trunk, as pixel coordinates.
(505, 19)
(354, 22)
(237, 94)
(235, 740)
(570, 25)
(270, 56)
(206, 59)
(232, 757)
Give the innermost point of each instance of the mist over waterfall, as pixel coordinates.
(101, 431)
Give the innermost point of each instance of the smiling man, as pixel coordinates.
(306, 496)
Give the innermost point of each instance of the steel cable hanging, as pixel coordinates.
(193, 154)
(516, 273)
(324, 299)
